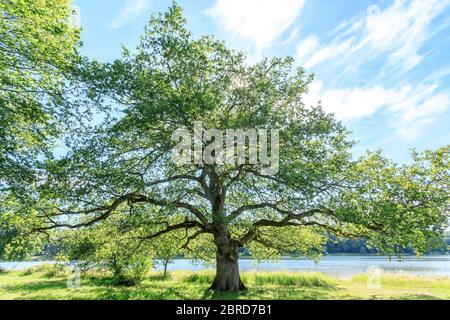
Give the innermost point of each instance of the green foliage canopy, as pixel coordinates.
(173, 80)
(38, 48)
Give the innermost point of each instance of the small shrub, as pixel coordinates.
(27, 272)
(56, 270)
(133, 273)
(40, 268)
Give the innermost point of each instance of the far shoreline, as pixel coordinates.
(284, 258)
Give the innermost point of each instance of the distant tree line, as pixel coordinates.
(447, 239)
(360, 246)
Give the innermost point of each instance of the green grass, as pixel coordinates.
(202, 278)
(40, 283)
(295, 280)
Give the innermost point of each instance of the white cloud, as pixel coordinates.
(356, 103)
(306, 47)
(130, 11)
(293, 36)
(398, 32)
(327, 53)
(410, 108)
(403, 28)
(258, 21)
(419, 108)
(350, 103)
(394, 38)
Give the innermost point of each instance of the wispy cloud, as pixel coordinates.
(258, 21)
(320, 55)
(397, 34)
(130, 11)
(307, 47)
(410, 109)
(378, 48)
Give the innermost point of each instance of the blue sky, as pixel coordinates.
(383, 67)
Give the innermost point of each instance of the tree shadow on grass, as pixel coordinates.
(36, 289)
(278, 293)
(104, 289)
(418, 297)
(37, 286)
(141, 293)
(182, 292)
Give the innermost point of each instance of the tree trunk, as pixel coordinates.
(227, 267)
(165, 268)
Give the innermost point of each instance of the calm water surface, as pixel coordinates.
(336, 266)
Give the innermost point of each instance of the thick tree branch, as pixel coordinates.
(235, 214)
(107, 212)
(193, 237)
(196, 212)
(183, 225)
(290, 219)
(174, 178)
(131, 199)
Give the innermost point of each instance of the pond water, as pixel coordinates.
(337, 266)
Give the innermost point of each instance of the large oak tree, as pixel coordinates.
(173, 80)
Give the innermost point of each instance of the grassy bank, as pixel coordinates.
(42, 284)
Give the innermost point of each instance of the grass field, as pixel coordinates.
(193, 286)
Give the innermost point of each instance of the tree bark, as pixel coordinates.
(227, 268)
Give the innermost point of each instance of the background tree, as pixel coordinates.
(172, 80)
(16, 221)
(166, 248)
(116, 245)
(38, 48)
